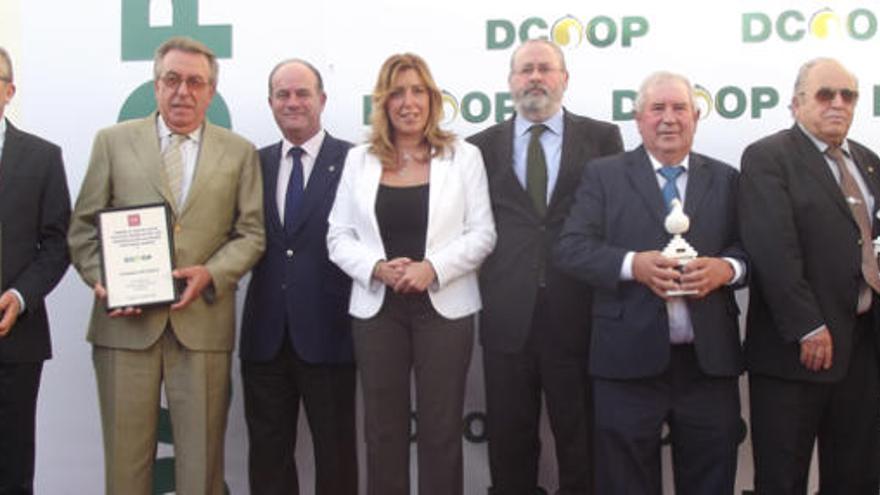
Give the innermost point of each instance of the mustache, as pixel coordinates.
(536, 86)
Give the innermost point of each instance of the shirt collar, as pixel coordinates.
(164, 131)
(312, 146)
(2, 132)
(554, 123)
(657, 165)
(822, 146)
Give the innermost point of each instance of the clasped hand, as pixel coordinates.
(661, 274)
(404, 275)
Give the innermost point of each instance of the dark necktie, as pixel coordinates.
(294, 194)
(670, 189)
(859, 209)
(536, 170)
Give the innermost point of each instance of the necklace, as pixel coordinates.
(407, 159)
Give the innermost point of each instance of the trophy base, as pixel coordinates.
(680, 292)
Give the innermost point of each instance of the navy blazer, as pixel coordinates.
(619, 208)
(294, 280)
(34, 216)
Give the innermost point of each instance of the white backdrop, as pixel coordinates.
(72, 81)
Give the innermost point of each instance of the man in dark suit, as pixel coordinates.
(34, 214)
(656, 358)
(808, 200)
(296, 334)
(534, 325)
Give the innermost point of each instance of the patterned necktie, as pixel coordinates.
(670, 189)
(173, 160)
(294, 194)
(859, 209)
(536, 170)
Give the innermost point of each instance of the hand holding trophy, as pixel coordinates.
(677, 223)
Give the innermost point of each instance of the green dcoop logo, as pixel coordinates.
(139, 41)
(568, 31)
(474, 107)
(728, 102)
(793, 25)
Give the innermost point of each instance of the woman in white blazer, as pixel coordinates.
(411, 224)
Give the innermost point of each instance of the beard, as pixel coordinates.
(536, 100)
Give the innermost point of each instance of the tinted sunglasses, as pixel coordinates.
(825, 95)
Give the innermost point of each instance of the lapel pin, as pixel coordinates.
(331, 168)
(870, 170)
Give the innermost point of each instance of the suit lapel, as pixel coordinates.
(324, 174)
(13, 153)
(212, 149)
(571, 151)
(869, 175)
(270, 176)
(816, 165)
(643, 179)
(438, 174)
(146, 151)
(699, 180)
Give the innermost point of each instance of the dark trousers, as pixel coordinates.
(788, 416)
(272, 394)
(514, 383)
(703, 415)
(407, 335)
(19, 384)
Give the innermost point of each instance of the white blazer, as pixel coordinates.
(460, 234)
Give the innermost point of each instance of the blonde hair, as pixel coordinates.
(381, 136)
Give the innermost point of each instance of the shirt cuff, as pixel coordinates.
(738, 270)
(814, 332)
(626, 268)
(21, 305)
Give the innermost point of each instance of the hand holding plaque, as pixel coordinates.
(136, 256)
(677, 223)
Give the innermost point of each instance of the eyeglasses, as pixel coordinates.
(827, 95)
(173, 80)
(542, 69)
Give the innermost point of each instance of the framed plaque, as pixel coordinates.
(137, 256)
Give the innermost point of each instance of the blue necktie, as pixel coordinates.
(670, 190)
(294, 194)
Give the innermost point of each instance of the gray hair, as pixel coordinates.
(188, 45)
(558, 51)
(661, 77)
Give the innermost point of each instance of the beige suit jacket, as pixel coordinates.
(220, 226)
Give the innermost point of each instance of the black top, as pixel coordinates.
(402, 213)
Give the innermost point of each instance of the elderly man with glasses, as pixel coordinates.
(210, 180)
(807, 204)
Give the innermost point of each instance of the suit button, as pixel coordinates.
(289, 253)
(283, 286)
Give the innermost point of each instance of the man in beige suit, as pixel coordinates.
(210, 178)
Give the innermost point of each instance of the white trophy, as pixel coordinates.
(677, 223)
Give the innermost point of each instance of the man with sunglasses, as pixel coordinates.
(210, 179)
(808, 200)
